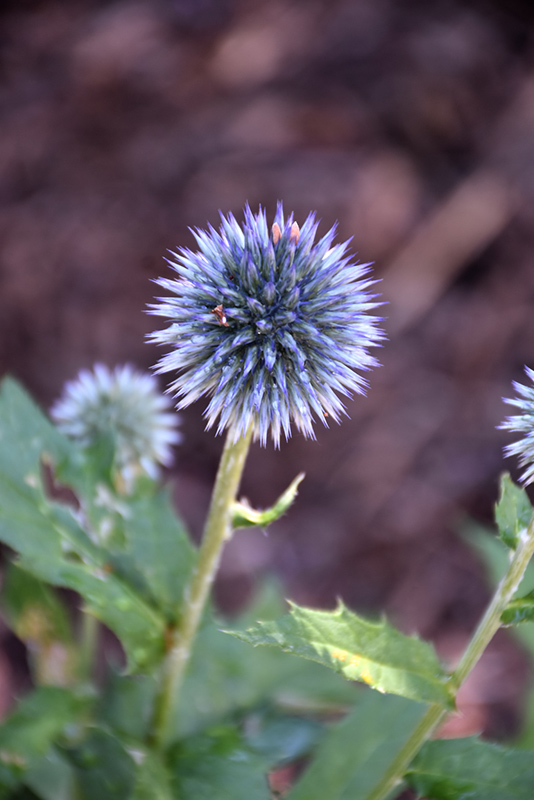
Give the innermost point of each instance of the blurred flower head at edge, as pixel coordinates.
(126, 407)
(522, 423)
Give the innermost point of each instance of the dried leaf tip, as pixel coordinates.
(294, 236)
(221, 316)
(276, 233)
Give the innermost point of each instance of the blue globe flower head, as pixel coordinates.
(270, 324)
(125, 406)
(522, 423)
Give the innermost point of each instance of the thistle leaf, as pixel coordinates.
(29, 732)
(153, 780)
(355, 753)
(156, 546)
(39, 618)
(470, 769)
(372, 652)
(104, 766)
(521, 609)
(513, 512)
(218, 764)
(47, 536)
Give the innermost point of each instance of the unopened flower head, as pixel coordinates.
(127, 406)
(522, 423)
(270, 324)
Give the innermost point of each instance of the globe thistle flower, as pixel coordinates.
(126, 406)
(522, 423)
(269, 324)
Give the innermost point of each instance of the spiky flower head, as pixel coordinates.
(126, 407)
(270, 324)
(522, 423)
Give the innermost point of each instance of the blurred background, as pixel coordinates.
(122, 123)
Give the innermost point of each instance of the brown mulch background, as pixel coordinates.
(412, 124)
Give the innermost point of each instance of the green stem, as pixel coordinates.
(88, 645)
(488, 626)
(491, 621)
(217, 530)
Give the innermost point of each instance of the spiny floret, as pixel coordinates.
(522, 423)
(126, 406)
(269, 324)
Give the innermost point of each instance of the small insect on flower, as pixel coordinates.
(125, 406)
(522, 423)
(221, 316)
(294, 325)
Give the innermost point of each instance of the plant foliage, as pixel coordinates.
(245, 712)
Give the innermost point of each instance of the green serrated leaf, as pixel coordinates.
(513, 512)
(51, 777)
(21, 793)
(470, 769)
(22, 421)
(521, 609)
(372, 652)
(218, 764)
(244, 516)
(280, 737)
(47, 535)
(99, 458)
(103, 767)
(159, 547)
(147, 545)
(38, 617)
(27, 437)
(139, 627)
(153, 780)
(33, 609)
(126, 704)
(28, 733)
(355, 753)
(228, 677)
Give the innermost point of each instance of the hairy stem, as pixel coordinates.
(488, 626)
(217, 530)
